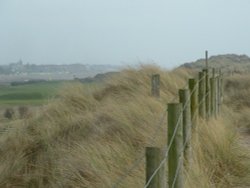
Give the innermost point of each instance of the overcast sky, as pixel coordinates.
(167, 32)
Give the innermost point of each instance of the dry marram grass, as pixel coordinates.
(89, 136)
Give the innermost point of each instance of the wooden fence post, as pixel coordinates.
(193, 87)
(213, 96)
(206, 71)
(222, 87)
(219, 91)
(184, 95)
(216, 96)
(201, 95)
(175, 158)
(213, 72)
(155, 82)
(214, 100)
(154, 156)
(206, 58)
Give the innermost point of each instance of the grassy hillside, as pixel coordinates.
(89, 136)
(237, 88)
(228, 62)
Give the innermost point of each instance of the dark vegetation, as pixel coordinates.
(97, 78)
(23, 112)
(9, 113)
(18, 83)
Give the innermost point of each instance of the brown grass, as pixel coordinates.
(90, 135)
(219, 160)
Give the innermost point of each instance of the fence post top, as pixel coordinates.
(155, 74)
(152, 148)
(176, 105)
(183, 90)
(202, 72)
(192, 80)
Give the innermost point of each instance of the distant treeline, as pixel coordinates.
(97, 78)
(37, 81)
(17, 83)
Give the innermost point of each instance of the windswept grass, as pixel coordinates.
(88, 137)
(219, 158)
(237, 89)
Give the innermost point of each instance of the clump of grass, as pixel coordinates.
(219, 159)
(237, 90)
(23, 112)
(221, 155)
(9, 113)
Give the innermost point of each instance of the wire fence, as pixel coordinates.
(157, 129)
(185, 144)
(174, 134)
(188, 138)
(141, 157)
(138, 161)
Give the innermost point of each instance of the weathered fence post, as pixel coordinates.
(221, 88)
(213, 72)
(201, 95)
(213, 96)
(184, 95)
(154, 156)
(206, 71)
(216, 96)
(155, 82)
(175, 144)
(206, 58)
(219, 91)
(193, 87)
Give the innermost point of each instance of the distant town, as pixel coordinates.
(20, 71)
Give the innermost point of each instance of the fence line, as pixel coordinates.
(155, 80)
(205, 112)
(137, 162)
(194, 86)
(183, 149)
(172, 138)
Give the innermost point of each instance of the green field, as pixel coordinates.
(29, 94)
